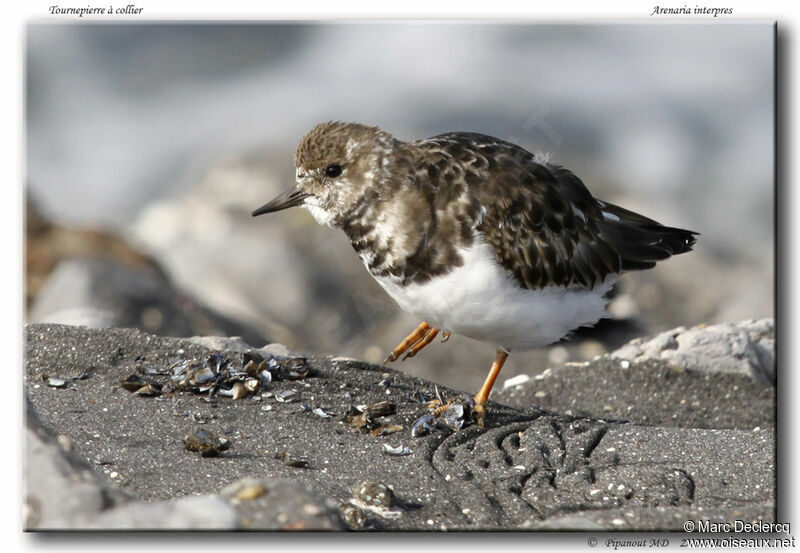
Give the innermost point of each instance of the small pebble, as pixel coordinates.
(311, 509)
(516, 381)
(251, 491)
(56, 382)
(65, 442)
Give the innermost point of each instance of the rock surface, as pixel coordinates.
(703, 377)
(96, 278)
(289, 467)
(744, 348)
(101, 292)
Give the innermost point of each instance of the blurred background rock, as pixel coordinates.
(163, 137)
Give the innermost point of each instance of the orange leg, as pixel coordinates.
(479, 411)
(427, 339)
(418, 335)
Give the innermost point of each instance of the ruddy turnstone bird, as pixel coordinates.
(474, 235)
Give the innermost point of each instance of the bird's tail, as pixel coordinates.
(641, 242)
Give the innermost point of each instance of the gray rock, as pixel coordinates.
(744, 348)
(281, 504)
(101, 292)
(236, 343)
(527, 469)
(677, 378)
(61, 490)
(207, 512)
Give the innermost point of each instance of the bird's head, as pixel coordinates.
(339, 167)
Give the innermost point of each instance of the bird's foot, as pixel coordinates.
(479, 414)
(414, 342)
(427, 339)
(479, 408)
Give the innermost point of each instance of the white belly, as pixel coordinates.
(480, 300)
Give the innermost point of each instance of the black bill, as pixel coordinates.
(291, 198)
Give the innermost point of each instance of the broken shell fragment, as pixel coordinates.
(238, 390)
(132, 382)
(386, 430)
(291, 461)
(418, 397)
(363, 417)
(294, 368)
(285, 396)
(148, 390)
(56, 382)
(140, 386)
(453, 416)
(251, 384)
(376, 495)
(206, 443)
(151, 371)
(380, 409)
(353, 517)
(423, 425)
(265, 376)
(399, 450)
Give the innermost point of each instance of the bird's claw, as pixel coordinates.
(479, 414)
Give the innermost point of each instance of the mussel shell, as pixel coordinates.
(285, 396)
(132, 382)
(148, 390)
(374, 494)
(453, 417)
(140, 386)
(206, 443)
(381, 409)
(251, 356)
(294, 368)
(216, 362)
(252, 384)
(320, 413)
(423, 425)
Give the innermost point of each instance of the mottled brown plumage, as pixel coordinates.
(543, 224)
(474, 234)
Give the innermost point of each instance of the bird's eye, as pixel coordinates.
(333, 170)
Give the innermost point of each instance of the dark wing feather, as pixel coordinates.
(544, 224)
(640, 241)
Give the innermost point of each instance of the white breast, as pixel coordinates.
(480, 300)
